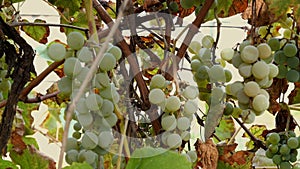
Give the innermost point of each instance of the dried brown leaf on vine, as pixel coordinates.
(207, 153)
(278, 87)
(281, 119)
(294, 96)
(237, 6)
(16, 139)
(182, 12)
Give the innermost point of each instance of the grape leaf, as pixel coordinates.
(294, 96)
(79, 166)
(26, 114)
(153, 158)
(214, 116)
(70, 7)
(79, 19)
(226, 128)
(257, 131)
(38, 33)
(4, 164)
(236, 7)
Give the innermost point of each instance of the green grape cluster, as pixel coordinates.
(282, 148)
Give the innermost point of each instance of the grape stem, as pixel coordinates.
(217, 37)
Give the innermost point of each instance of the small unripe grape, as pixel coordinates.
(292, 75)
(168, 123)
(71, 156)
(107, 108)
(273, 138)
(228, 108)
(157, 81)
(77, 126)
(116, 51)
(293, 143)
(251, 89)
(76, 135)
(89, 140)
(172, 103)
(250, 54)
(174, 141)
(293, 62)
(290, 50)
(228, 75)
(75, 40)
(274, 44)
(157, 96)
(108, 62)
(65, 85)
(72, 67)
(260, 103)
(56, 51)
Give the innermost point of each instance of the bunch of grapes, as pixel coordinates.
(94, 112)
(282, 148)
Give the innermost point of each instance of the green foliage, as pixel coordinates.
(79, 166)
(225, 129)
(66, 6)
(26, 114)
(4, 164)
(257, 131)
(38, 33)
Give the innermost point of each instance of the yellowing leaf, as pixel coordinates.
(38, 33)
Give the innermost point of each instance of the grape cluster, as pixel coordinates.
(94, 112)
(282, 148)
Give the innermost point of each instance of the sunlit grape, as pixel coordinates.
(72, 67)
(174, 140)
(172, 103)
(260, 103)
(260, 69)
(56, 51)
(157, 81)
(156, 96)
(227, 54)
(251, 89)
(168, 123)
(207, 41)
(250, 54)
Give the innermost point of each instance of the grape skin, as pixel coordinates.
(183, 123)
(174, 140)
(106, 139)
(168, 123)
(227, 54)
(156, 96)
(251, 89)
(190, 107)
(260, 69)
(85, 55)
(172, 103)
(264, 50)
(216, 74)
(72, 67)
(75, 40)
(89, 140)
(157, 81)
(207, 41)
(190, 92)
(274, 44)
(56, 51)
(116, 51)
(194, 46)
(292, 75)
(245, 70)
(250, 54)
(290, 50)
(108, 62)
(260, 103)
(94, 102)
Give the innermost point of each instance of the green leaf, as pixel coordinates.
(226, 128)
(214, 116)
(78, 19)
(71, 7)
(4, 164)
(30, 141)
(222, 7)
(257, 131)
(153, 158)
(79, 166)
(38, 33)
(26, 114)
(279, 7)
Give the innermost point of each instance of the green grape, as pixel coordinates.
(207, 40)
(235, 87)
(264, 50)
(293, 62)
(75, 40)
(263, 31)
(202, 73)
(273, 70)
(190, 92)
(157, 96)
(228, 109)
(228, 75)
(185, 135)
(292, 75)
(71, 156)
(172, 103)
(5, 85)
(190, 107)
(248, 116)
(173, 6)
(81, 107)
(89, 140)
(94, 102)
(107, 108)
(85, 119)
(236, 60)
(273, 148)
(260, 103)
(282, 71)
(291, 133)
(65, 85)
(284, 149)
(276, 159)
(193, 155)
(85, 55)
(274, 43)
(260, 69)
(72, 144)
(251, 89)
(110, 93)
(279, 57)
(262, 82)
(290, 50)
(227, 54)
(168, 123)
(242, 97)
(205, 55)
(245, 70)
(183, 123)
(76, 135)
(186, 4)
(82, 75)
(287, 22)
(194, 46)
(195, 64)
(77, 126)
(250, 54)
(89, 157)
(293, 142)
(116, 52)
(101, 80)
(157, 81)
(106, 139)
(164, 137)
(244, 44)
(56, 51)
(72, 67)
(265, 93)
(273, 138)
(269, 154)
(174, 141)
(111, 119)
(108, 62)
(285, 165)
(216, 74)
(287, 34)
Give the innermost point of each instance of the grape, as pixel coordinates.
(262, 82)
(269, 154)
(228, 75)
(85, 119)
(264, 50)
(293, 62)
(227, 54)
(207, 40)
(273, 148)
(287, 34)
(164, 137)
(85, 55)
(248, 116)
(94, 102)
(65, 85)
(190, 92)
(89, 140)
(72, 67)
(116, 51)
(193, 155)
(251, 89)
(101, 80)
(276, 159)
(168, 123)
(205, 55)
(235, 87)
(56, 51)
(260, 69)
(71, 144)
(244, 44)
(260, 103)
(110, 93)
(262, 31)
(242, 97)
(183, 123)
(274, 44)
(185, 135)
(202, 73)
(245, 70)
(293, 142)
(75, 40)
(290, 50)
(273, 138)
(172, 103)
(216, 74)
(250, 54)
(173, 6)
(236, 60)
(273, 70)
(158, 81)
(71, 156)
(265, 93)
(77, 126)
(156, 96)
(292, 75)
(279, 57)
(174, 141)
(82, 75)
(285, 165)
(282, 71)
(228, 109)
(89, 157)
(76, 135)
(194, 46)
(106, 139)
(284, 149)
(111, 119)
(186, 4)
(108, 62)
(195, 64)
(107, 108)
(190, 107)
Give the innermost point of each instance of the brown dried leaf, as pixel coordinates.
(208, 154)
(278, 87)
(237, 6)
